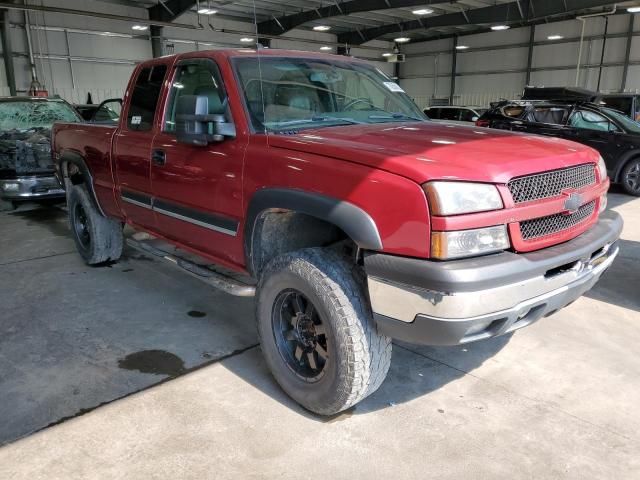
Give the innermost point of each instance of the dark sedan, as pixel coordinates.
(614, 135)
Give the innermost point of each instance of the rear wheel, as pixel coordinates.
(630, 177)
(98, 238)
(316, 330)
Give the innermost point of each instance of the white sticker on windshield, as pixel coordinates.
(136, 120)
(393, 86)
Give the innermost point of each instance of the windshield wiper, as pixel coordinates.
(320, 119)
(395, 116)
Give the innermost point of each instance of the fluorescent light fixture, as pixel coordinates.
(423, 11)
(402, 40)
(322, 28)
(633, 9)
(140, 27)
(498, 28)
(387, 54)
(555, 37)
(246, 39)
(326, 48)
(207, 11)
(461, 47)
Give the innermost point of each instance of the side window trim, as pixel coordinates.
(213, 67)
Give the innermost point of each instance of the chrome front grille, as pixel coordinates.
(543, 226)
(551, 184)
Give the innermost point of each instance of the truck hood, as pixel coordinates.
(428, 151)
(25, 152)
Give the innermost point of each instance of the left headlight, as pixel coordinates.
(455, 198)
(468, 243)
(602, 170)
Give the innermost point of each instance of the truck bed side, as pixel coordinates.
(89, 147)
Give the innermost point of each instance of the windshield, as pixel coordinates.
(34, 114)
(629, 125)
(300, 93)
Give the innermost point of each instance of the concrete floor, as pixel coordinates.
(183, 392)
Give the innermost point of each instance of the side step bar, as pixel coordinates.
(214, 279)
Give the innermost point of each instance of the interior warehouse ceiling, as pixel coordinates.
(358, 21)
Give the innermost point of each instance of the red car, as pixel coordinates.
(321, 188)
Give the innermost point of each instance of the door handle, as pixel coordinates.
(159, 157)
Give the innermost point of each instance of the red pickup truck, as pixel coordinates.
(315, 183)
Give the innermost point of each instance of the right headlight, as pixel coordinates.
(456, 198)
(469, 243)
(602, 170)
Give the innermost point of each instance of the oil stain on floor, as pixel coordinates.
(157, 362)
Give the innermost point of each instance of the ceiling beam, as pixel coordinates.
(280, 25)
(522, 13)
(169, 10)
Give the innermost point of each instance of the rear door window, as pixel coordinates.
(550, 115)
(144, 98)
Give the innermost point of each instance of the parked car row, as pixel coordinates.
(612, 133)
(606, 123)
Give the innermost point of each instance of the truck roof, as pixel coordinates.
(252, 52)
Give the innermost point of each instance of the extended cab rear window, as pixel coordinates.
(144, 98)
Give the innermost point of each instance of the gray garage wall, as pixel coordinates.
(76, 55)
(495, 64)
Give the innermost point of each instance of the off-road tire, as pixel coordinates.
(103, 242)
(630, 177)
(358, 356)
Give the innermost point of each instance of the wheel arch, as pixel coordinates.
(74, 169)
(622, 162)
(316, 211)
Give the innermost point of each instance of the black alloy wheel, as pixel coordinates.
(631, 177)
(300, 335)
(81, 226)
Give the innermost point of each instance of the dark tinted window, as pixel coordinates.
(622, 104)
(550, 115)
(450, 114)
(468, 116)
(433, 113)
(144, 98)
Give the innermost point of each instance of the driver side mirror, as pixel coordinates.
(475, 118)
(196, 126)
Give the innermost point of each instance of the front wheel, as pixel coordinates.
(631, 177)
(98, 238)
(316, 331)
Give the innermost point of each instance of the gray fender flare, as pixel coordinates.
(351, 219)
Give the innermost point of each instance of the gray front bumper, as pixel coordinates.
(31, 188)
(448, 303)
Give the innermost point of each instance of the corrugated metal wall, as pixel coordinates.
(495, 64)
